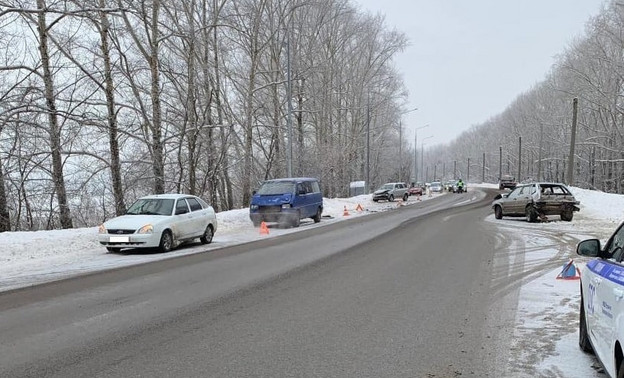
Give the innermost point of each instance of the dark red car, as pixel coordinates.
(415, 191)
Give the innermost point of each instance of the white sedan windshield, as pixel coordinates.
(151, 206)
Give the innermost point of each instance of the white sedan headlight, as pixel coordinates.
(147, 229)
(102, 229)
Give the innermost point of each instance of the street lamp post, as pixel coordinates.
(422, 154)
(401, 141)
(416, 150)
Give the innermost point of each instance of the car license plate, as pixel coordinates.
(120, 239)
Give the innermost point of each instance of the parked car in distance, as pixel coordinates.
(160, 221)
(287, 201)
(448, 185)
(415, 190)
(536, 200)
(507, 181)
(601, 329)
(436, 187)
(390, 191)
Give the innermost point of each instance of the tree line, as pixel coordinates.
(534, 131)
(103, 101)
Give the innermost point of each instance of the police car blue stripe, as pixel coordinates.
(606, 269)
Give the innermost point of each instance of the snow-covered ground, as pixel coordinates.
(547, 307)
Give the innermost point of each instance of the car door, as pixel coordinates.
(609, 294)
(183, 220)
(510, 204)
(198, 221)
(299, 200)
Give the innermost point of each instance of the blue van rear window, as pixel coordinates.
(276, 187)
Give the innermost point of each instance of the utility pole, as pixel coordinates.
(500, 162)
(468, 171)
(289, 90)
(539, 153)
(367, 186)
(519, 159)
(400, 150)
(570, 174)
(483, 172)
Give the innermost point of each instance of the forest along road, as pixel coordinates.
(404, 293)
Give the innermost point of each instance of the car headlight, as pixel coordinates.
(285, 206)
(253, 207)
(147, 229)
(102, 229)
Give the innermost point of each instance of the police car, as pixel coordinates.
(601, 326)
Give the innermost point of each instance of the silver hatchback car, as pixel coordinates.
(536, 201)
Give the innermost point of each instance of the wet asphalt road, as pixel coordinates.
(405, 293)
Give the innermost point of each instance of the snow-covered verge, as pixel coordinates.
(545, 337)
(28, 258)
(545, 333)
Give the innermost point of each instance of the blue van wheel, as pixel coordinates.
(297, 220)
(317, 217)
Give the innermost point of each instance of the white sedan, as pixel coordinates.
(160, 221)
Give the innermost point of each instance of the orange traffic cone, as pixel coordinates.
(264, 230)
(345, 213)
(359, 208)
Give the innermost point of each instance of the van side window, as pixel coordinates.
(308, 187)
(300, 188)
(315, 187)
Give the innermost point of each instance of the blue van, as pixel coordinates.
(287, 201)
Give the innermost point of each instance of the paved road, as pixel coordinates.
(405, 293)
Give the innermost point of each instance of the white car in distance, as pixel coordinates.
(160, 221)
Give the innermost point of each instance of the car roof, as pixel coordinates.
(167, 196)
(541, 183)
(290, 179)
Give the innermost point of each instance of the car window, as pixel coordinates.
(181, 206)
(308, 186)
(516, 192)
(151, 206)
(194, 204)
(276, 187)
(559, 190)
(615, 245)
(315, 187)
(203, 203)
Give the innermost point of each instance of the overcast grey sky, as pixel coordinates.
(469, 59)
